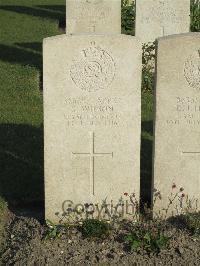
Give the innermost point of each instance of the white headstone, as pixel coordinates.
(93, 16)
(158, 18)
(177, 121)
(92, 95)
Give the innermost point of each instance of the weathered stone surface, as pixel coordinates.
(93, 16)
(177, 120)
(92, 117)
(158, 18)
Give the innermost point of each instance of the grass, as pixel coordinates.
(24, 24)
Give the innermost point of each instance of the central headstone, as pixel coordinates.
(92, 121)
(93, 16)
(158, 18)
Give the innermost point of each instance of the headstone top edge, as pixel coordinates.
(178, 36)
(74, 36)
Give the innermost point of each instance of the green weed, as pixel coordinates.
(53, 231)
(149, 236)
(192, 222)
(95, 228)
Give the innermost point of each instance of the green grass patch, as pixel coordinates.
(24, 24)
(192, 222)
(95, 228)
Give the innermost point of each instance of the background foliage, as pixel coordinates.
(195, 15)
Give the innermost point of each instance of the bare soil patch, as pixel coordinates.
(25, 245)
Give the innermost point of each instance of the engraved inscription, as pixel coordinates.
(84, 111)
(91, 13)
(94, 70)
(92, 154)
(192, 70)
(163, 14)
(186, 112)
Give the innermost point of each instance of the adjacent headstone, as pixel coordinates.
(93, 16)
(158, 18)
(177, 123)
(92, 117)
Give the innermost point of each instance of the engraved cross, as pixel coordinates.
(92, 154)
(93, 28)
(163, 31)
(191, 152)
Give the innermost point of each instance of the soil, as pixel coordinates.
(25, 245)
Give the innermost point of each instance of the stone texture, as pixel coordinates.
(92, 119)
(93, 16)
(177, 120)
(158, 18)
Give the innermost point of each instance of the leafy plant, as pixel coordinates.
(128, 17)
(54, 231)
(148, 236)
(195, 15)
(192, 222)
(95, 228)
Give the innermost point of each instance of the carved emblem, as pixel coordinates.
(95, 70)
(192, 70)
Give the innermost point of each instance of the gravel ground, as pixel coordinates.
(25, 245)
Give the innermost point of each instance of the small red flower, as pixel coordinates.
(173, 186)
(183, 195)
(125, 194)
